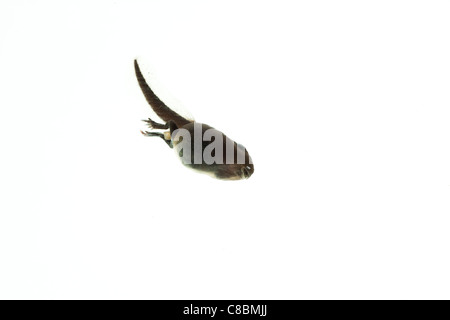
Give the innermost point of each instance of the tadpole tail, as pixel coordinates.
(163, 111)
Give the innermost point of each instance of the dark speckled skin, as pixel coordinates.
(224, 170)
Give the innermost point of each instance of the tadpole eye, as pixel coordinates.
(245, 172)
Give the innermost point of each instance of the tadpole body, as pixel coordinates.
(199, 146)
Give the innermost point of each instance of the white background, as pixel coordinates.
(343, 105)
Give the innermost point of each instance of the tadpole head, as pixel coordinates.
(234, 171)
(246, 171)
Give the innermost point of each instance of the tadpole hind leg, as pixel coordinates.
(155, 125)
(157, 134)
